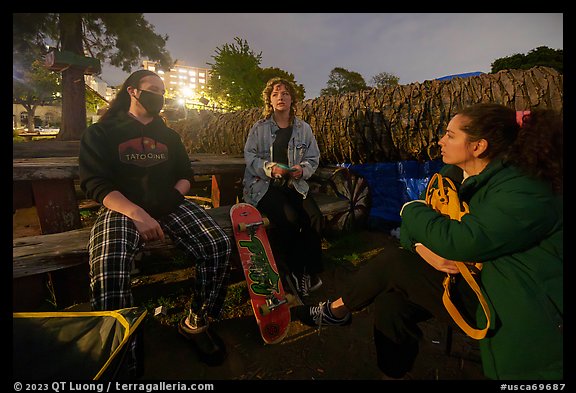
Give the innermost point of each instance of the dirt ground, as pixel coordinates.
(306, 354)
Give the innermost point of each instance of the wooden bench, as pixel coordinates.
(44, 176)
(48, 183)
(39, 254)
(54, 268)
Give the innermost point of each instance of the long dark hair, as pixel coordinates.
(122, 101)
(535, 146)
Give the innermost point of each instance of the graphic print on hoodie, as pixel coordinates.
(143, 152)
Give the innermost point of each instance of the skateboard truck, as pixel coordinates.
(273, 302)
(252, 227)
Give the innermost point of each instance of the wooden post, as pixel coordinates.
(56, 204)
(22, 195)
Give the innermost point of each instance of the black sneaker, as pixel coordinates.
(209, 345)
(301, 282)
(321, 315)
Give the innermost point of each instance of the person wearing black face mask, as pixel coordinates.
(152, 102)
(139, 170)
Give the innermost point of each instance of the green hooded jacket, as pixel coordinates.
(515, 228)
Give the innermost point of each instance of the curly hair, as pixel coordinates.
(536, 147)
(268, 109)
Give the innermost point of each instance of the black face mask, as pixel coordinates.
(153, 103)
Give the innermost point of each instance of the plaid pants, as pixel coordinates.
(115, 241)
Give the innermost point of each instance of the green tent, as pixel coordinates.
(72, 345)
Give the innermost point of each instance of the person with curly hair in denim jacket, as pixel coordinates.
(281, 153)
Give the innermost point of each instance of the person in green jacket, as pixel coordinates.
(508, 167)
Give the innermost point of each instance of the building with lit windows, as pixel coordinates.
(186, 85)
(97, 85)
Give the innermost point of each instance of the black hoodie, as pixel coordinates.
(143, 162)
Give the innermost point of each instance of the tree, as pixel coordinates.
(342, 81)
(236, 79)
(541, 56)
(94, 100)
(121, 39)
(235, 76)
(33, 86)
(384, 79)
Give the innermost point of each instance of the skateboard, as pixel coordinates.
(271, 305)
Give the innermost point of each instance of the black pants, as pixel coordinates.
(405, 290)
(298, 228)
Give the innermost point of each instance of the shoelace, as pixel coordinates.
(319, 312)
(304, 284)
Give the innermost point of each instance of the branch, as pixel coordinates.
(98, 94)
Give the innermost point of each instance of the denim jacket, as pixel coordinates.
(302, 149)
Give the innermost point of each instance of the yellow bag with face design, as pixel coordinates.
(442, 196)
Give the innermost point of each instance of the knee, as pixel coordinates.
(291, 218)
(222, 243)
(227, 244)
(317, 223)
(389, 305)
(396, 317)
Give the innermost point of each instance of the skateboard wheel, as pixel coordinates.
(266, 221)
(242, 227)
(291, 299)
(264, 309)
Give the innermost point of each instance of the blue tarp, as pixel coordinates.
(394, 183)
(464, 75)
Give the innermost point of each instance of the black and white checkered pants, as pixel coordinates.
(115, 241)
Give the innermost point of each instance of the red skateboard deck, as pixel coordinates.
(269, 302)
